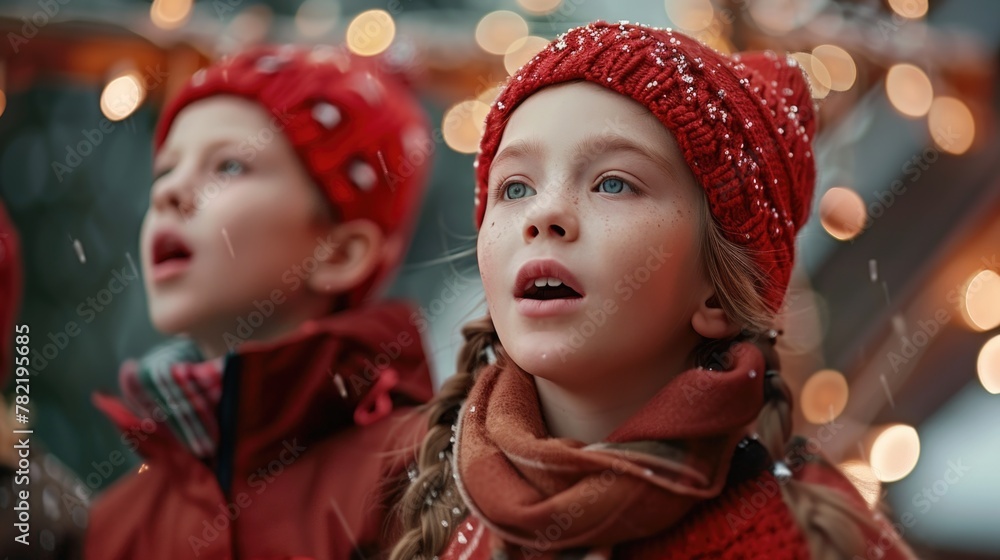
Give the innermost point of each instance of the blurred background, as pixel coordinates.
(892, 327)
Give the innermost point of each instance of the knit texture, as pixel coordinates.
(356, 128)
(743, 124)
(647, 475)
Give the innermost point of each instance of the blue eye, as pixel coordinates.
(231, 167)
(612, 185)
(516, 190)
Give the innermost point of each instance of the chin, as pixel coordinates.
(169, 319)
(548, 355)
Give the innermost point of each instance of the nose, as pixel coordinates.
(553, 216)
(173, 192)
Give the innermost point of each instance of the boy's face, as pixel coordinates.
(589, 180)
(232, 225)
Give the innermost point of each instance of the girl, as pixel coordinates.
(638, 196)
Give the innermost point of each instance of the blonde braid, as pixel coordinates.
(830, 522)
(431, 506)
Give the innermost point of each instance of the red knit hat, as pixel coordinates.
(359, 132)
(743, 124)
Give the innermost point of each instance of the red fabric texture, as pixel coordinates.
(747, 521)
(672, 454)
(743, 124)
(306, 480)
(356, 127)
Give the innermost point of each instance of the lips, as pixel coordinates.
(170, 255)
(546, 279)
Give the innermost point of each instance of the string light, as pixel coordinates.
(895, 452)
(982, 301)
(498, 30)
(121, 97)
(521, 51)
(909, 90)
(690, 16)
(839, 65)
(911, 9)
(170, 14)
(988, 365)
(824, 396)
(842, 213)
(539, 7)
(371, 32)
(951, 125)
(463, 124)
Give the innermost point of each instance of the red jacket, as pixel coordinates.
(748, 521)
(306, 480)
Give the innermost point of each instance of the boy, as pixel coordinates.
(286, 185)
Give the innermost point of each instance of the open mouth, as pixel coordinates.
(549, 288)
(169, 248)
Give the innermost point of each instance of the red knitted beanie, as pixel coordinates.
(743, 124)
(359, 132)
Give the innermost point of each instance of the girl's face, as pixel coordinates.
(232, 224)
(590, 190)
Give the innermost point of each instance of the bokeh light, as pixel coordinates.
(911, 9)
(3, 102)
(838, 62)
(498, 30)
(861, 476)
(521, 51)
(816, 71)
(371, 32)
(462, 125)
(895, 452)
(539, 7)
(121, 97)
(824, 396)
(842, 213)
(170, 14)
(982, 301)
(988, 365)
(909, 90)
(690, 16)
(951, 125)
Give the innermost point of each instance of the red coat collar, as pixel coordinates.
(347, 369)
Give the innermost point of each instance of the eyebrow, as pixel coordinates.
(211, 147)
(594, 145)
(519, 149)
(590, 147)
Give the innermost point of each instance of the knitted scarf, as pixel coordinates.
(672, 454)
(173, 384)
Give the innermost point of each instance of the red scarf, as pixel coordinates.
(672, 454)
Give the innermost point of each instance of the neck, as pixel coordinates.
(590, 412)
(219, 340)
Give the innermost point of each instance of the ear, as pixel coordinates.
(710, 320)
(349, 255)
